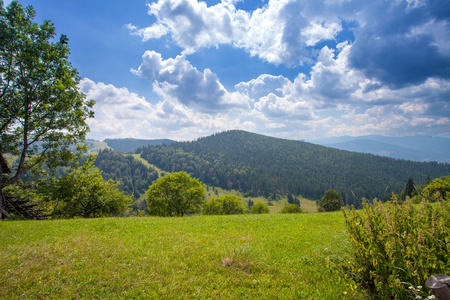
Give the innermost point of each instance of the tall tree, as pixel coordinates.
(409, 188)
(175, 194)
(42, 111)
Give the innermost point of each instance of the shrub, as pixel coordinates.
(225, 205)
(291, 209)
(330, 201)
(397, 246)
(438, 189)
(259, 208)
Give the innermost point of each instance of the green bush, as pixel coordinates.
(259, 208)
(397, 247)
(291, 209)
(438, 189)
(225, 205)
(330, 201)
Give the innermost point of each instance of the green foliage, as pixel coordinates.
(225, 205)
(43, 112)
(409, 190)
(82, 192)
(133, 175)
(438, 189)
(259, 208)
(331, 201)
(291, 209)
(175, 194)
(396, 245)
(258, 165)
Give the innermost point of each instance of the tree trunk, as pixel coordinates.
(1, 192)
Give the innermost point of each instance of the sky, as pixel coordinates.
(295, 69)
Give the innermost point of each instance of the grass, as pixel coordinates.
(271, 256)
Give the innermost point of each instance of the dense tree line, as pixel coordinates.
(133, 175)
(261, 165)
(130, 145)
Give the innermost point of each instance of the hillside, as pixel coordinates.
(418, 148)
(134, 176)
(130, 145)
(261, 165)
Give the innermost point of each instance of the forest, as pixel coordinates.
(133, 175)
(265, 166)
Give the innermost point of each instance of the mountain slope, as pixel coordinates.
(261, 165)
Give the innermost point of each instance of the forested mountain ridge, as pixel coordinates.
(262, 165)
(130, 145)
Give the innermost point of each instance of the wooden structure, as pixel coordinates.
(440, 286)
(4, 169)
(21, 207)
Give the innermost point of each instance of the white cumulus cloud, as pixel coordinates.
(178, 80)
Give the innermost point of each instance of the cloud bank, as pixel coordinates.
(365, 67)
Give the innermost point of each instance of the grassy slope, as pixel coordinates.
(269, 256)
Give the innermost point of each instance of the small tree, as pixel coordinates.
(83, 192)
(175, 194)
(410, 190)
(259, 208)
(291, 209)
(330, 201)
(225, 205)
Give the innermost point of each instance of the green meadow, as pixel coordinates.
(271, 256)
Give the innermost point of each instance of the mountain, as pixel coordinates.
(267, 166)
(95, 146)
(130, 145)
(417, 148)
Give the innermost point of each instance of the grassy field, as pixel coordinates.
(270, 256)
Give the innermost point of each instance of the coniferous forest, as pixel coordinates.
(133, 175)
(260, 165)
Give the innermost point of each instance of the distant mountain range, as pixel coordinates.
(416, 148)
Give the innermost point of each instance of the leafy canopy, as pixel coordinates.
(83, 192)
(291, 209)
(42, 111)
(259, 208)
(330, 201)
(175, 194)
(438, 189)
(225, 205)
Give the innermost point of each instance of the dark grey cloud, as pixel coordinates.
(391, 46)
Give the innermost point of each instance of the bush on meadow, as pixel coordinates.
(397, 247)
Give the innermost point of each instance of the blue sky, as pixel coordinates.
(296, 69)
